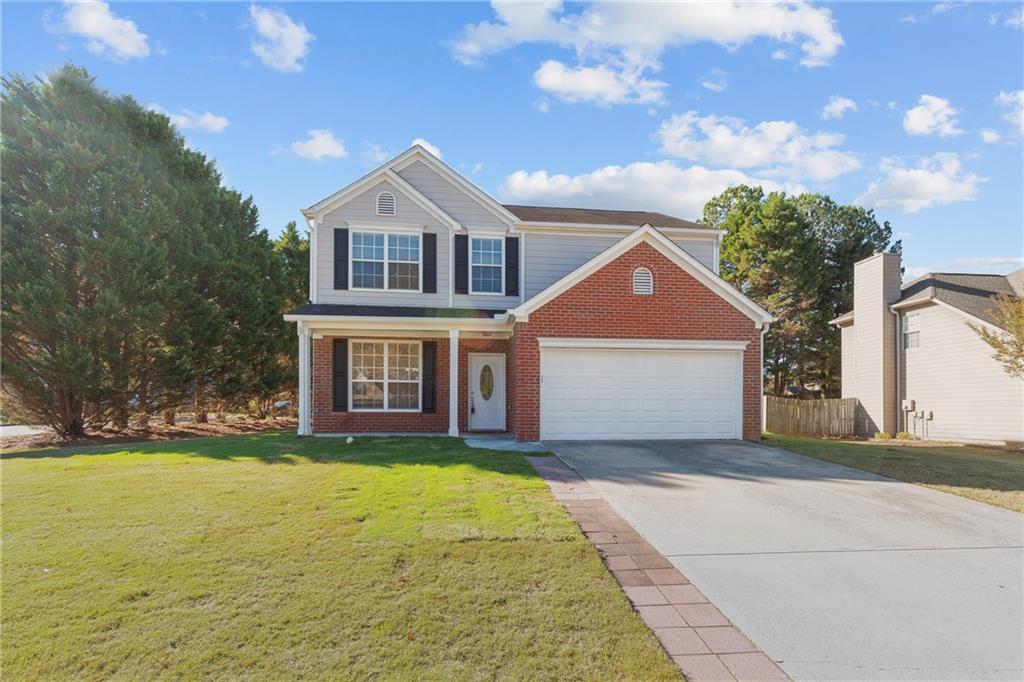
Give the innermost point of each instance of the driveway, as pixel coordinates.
(837, 573)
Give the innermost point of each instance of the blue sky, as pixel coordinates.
(914, 109)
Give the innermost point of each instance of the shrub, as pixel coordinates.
(882, 435)
(904, 435)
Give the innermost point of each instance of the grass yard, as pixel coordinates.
(274, 557)
(984, 474)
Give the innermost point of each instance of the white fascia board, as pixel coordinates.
(349, 192)
(400, 323)
(418, 153)
(640, 344)
(904, 305)
(600, 228)
(666, 247)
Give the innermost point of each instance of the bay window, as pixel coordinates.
(386, 376)
(394, 268)
(487, 266)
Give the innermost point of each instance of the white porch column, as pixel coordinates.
(453, 382)
(305, 427)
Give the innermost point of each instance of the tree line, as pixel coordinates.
(794, 255)
(134, 282)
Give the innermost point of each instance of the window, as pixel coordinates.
(386, 376)
(911, 331)
(400, 261)
(386, 203)
(643, 282)
(487, 267)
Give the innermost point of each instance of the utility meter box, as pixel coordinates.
(908, 405)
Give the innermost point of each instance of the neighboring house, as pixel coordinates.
(913, 362)
(433, 308)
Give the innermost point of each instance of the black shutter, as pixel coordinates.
(430, 263)
(462, 263)
(429, 399)
(339, 385)
(341, 259)
(511, 266)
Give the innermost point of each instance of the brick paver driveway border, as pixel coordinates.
(702, 642)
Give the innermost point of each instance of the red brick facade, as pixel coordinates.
(326, 420)
(604, 306)
(600, 306)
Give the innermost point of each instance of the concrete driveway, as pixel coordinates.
(837, 573)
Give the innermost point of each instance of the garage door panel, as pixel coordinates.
(609, 394)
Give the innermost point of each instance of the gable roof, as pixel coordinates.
(661, 243)
(375, 176)
(599, 216)
(973, 294)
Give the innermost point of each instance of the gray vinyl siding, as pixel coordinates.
(549, 257)
(876, 286)
(363, 209)
(952, 375)
(451, 199)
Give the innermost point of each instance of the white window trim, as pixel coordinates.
(394, 203)
(386, 343)
(386, 233)
(499, 239)
(904, 331)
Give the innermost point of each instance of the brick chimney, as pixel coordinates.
(876, 286)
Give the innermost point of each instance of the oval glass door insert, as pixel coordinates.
(486, 382)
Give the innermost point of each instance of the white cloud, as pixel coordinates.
(374, 153)
(1014, 102)
(716, 80)
(663, 186)
(937, 179)
(988, 136)
(837, 107)
(601, 85)
(542, 105)
(777, 148)
(320, 145)
(781, 55)
(105, 33)
(1015, 19)
(280, 42)
(617, 44)
(477, 167)
(932, 116)
(426, 145)
(997, 263)
(190, 120)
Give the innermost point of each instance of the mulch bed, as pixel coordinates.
(156, 431)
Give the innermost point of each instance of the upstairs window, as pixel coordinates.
(643, 282)
(911, 330)
(386, 203)
(488, 265)
(394, 268)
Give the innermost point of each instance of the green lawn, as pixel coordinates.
(983, 474)
(274, 557)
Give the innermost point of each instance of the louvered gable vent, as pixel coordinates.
(385, 203)
(643, 282)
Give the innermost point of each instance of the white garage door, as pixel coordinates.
(597, 394)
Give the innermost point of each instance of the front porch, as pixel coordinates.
(389, 379)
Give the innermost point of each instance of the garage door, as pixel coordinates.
(595, 394)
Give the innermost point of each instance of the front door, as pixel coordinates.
(486, 392)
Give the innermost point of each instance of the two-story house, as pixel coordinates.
(434, 308)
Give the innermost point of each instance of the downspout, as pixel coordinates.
(760, 378)
(900, 415)
(311, 223)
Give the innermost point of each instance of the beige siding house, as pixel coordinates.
(911, 358)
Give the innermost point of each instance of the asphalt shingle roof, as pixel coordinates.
(598, 216)
(973, 294)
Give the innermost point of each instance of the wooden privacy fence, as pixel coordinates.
(825, 417)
